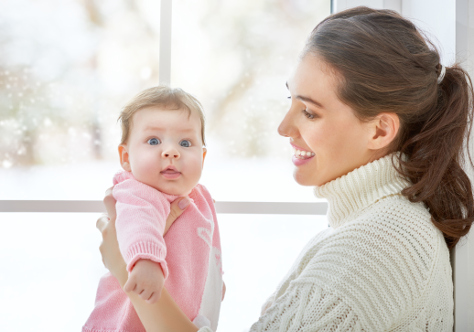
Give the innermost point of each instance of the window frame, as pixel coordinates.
(462, 256)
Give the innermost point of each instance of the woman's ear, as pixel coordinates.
(385, 128)
(124, 160)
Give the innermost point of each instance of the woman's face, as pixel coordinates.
(328, 140)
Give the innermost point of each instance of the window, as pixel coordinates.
(67, 72)
(67, 69)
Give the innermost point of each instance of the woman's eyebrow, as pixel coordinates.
(307, 99)
(311, 101)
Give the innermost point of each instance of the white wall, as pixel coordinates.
(438, 19)
(463, 255)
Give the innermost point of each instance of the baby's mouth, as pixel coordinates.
(170, 170)
(301, 154)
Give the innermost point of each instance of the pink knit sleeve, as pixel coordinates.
(141, 219)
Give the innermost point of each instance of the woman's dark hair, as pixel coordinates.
(384, 64)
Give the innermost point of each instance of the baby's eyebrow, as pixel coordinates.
(155, 128)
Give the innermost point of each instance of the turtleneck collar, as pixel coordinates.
(351, 193)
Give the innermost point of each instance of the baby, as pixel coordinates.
(162, 153)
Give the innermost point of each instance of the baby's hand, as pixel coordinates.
(146, 279)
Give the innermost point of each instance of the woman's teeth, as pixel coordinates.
(303, 154)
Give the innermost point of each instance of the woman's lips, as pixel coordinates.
(301, 156)
(298, 161)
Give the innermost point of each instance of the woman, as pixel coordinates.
(378, 126)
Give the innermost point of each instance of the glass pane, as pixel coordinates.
(253, 271)
(67, 68)
(51, 267)
(236, 57)
(56, 266)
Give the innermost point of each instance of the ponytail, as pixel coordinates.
(436, 158)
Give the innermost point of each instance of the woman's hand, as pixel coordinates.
(109, 249)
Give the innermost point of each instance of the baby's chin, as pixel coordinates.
(176, 187)
(175, 190)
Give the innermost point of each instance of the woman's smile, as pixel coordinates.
(301, 156)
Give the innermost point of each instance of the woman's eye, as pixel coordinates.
(153, 141)
(185, 143)
(308, 115)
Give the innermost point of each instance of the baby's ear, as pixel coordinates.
(204, 152)
(124, 161)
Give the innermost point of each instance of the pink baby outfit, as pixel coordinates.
(189, 255)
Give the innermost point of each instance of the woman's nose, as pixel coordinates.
(286, 127)
(170, 152)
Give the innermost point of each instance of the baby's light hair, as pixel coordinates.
(164, 97)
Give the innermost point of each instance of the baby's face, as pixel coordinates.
(165, 150)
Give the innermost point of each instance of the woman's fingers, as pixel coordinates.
(223, 290)
(176, 209)
(109, 202)
(102, 222)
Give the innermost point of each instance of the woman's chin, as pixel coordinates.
(302, 180)
(305, 180)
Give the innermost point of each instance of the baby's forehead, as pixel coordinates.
(192, 119)
(191, 115)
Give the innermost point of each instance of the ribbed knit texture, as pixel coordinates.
(189, 255)
(381, 266)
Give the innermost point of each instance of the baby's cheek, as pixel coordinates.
(194, 168)
(145, 170)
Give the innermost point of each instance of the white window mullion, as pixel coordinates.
(70, 206)
(165, 42)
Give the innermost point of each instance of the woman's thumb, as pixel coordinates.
(176, 209)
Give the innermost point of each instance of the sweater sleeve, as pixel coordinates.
(305, 307)
(140, 223)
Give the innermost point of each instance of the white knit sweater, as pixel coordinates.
(381, 266)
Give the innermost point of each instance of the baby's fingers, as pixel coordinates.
(153, 298)
(130, 286)
(145, 294)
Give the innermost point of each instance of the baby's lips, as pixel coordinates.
(169, 171)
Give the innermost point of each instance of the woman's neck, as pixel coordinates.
(350, 194)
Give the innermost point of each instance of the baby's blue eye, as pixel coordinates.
(185, 143)
(153, 141)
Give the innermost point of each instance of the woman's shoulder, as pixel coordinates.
(397, 217)
(387, 257)
(396, 227)
(392, 242)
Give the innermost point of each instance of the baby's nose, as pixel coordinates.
(170, 153)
